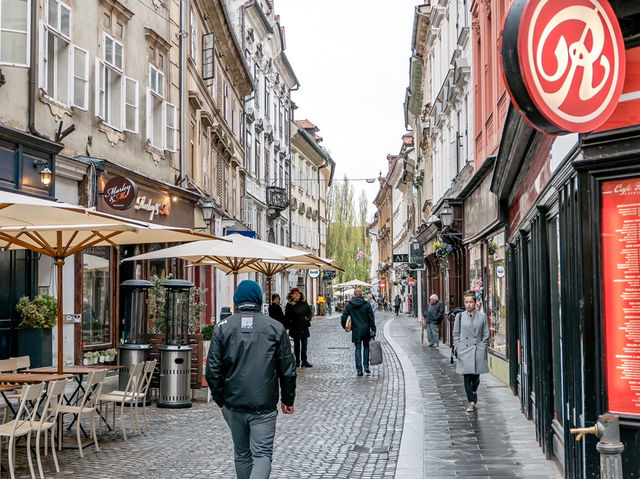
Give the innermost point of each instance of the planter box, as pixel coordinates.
(35, 343)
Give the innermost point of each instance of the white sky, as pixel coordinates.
(351, 58)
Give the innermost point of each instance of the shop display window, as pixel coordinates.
(476, 280)
(96, 304)
(497, 294)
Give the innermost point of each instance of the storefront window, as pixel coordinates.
(497, 295)
(476, 280)
(96, 304)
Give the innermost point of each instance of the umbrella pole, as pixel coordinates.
(269, 277)
(235, 281)
(59, 265)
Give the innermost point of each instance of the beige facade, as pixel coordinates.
(312, 170)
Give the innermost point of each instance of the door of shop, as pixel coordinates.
(524, 351)
(19, 272)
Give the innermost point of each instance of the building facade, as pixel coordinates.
(312, 170)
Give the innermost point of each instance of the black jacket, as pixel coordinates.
(363, 323)
(298, 318)
(434, 312)
(275, 312)
(249, 354)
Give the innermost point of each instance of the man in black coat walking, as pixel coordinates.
(275, 310)
(363, 328)
(249, 357)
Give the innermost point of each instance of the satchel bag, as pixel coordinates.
(347, 326)
(375, 352)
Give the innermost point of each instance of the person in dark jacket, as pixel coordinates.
(433, 317)
(396, 304)
(297, 315)
(363, 328)
(249, 357)
(275, 310)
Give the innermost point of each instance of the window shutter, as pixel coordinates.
(42, 57)
(79, 78)
(131, 104)
(170, 117)
(99, 94)
(149, 116)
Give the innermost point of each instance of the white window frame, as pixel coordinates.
(159, 81)
(103, 109)
(57, 29)
(208, 61)
(75, 102)
(26, 32)
(171, 111)
(108, 38)
(194, 35)
(135, 105)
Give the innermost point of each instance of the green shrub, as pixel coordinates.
(207, 331)
(42, 312)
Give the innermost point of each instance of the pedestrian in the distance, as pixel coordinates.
(275, 310)
(372, 302)
(471, 341)
(298, 317)
(363, 328)
(249, 365)
(396, 304)
(433, 317)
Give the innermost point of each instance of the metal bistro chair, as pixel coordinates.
(141, 396)
(127, 397)
(88, 405)
(48, 420)
(8, 366)
(22, 425)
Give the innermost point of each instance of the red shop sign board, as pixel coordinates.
(621, 293)
(627, 112)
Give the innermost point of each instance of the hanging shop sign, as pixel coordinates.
(314, 273)
(400, 258)
(120, 193)
(563, 63)
(620, 236)
(153, 207)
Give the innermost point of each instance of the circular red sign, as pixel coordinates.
(572, 60)
(120, 193)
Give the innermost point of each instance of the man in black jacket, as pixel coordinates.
(249, 355)
(363, 328)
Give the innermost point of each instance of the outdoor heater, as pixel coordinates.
(134, 348)
(175, 354)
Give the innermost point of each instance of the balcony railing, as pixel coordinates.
(277, 198)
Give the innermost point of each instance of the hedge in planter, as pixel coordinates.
(38, 317)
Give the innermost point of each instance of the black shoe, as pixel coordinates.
(307, 365)
(368, 371)
(360, 373)
(297, 364)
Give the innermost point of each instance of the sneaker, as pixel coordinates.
(368, 371)
(471, 407)
(307, 365)
(360, 373)
(435, 345)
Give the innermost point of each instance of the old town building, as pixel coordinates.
(312, 170)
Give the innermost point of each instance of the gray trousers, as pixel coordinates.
(433, 333)
(252, 442)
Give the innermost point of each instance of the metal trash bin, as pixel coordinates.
(134, 348)
(175, 376)
(175, 354)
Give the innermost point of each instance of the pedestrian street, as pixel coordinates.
(344, 426)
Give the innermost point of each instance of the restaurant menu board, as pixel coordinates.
(621, 292)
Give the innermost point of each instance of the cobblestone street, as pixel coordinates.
(343, 427)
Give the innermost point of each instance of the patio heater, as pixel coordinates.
(134, 348)
(175, 354)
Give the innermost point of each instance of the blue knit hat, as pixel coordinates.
(248, 292)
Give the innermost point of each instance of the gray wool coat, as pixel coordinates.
(471, 340)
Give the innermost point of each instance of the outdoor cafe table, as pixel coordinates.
(15, 379)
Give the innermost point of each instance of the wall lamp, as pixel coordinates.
(446, 215)
(45, 173)
(207, 210)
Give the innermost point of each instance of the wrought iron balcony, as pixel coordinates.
(277, 198)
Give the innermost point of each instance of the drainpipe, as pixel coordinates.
(183, 65)
(33, 72)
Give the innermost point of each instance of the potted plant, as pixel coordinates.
(102, 356)
(111, 354)
(37, 317)
(87, 359)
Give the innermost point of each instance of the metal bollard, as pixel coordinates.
(609, 446)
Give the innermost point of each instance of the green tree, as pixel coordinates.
(347, 231)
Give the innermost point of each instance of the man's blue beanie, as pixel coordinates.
(248, 292)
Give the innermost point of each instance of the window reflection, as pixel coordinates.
(96, 305)
(497, 294)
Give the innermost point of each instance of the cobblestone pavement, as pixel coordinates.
(494, 442)
(344, 426)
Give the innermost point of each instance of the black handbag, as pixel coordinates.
(454, 354)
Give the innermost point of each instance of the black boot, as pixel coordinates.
(307, 364)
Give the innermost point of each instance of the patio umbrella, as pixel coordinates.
(354, 283)
(242, 255)
(60, 230)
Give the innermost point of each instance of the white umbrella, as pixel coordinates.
(60, 230)
(354, 283)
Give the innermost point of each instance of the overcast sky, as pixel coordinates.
(351, 58)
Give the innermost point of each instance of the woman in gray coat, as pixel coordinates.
(471, 340)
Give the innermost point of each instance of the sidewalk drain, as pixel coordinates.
(371, 450)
